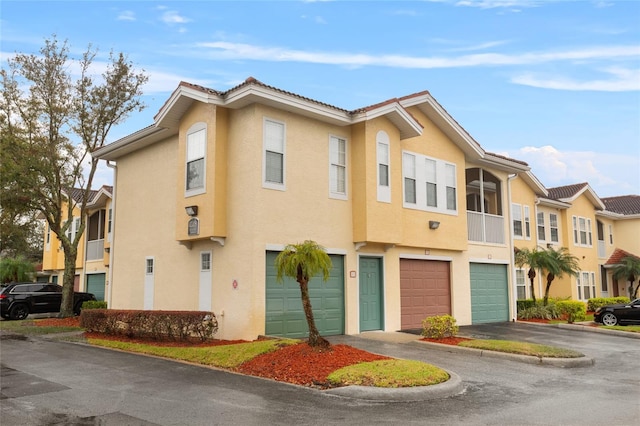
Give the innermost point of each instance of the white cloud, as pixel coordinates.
(607, 174)
(126, 15)
(172, 17)
(621, 80)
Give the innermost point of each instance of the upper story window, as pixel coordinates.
(516, 213)
(149, 265)
(273, 168)
(195, 159)
(429, 183)
(553, 227)
(110, 221)
(611, 234)
(48, 237)
(582, 235)
(541, 228)
(527, 223)
(205, 261)
(337, 167)
(384, 170)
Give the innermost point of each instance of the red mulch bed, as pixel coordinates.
(299, 364)
(453, 341)
(303, 365)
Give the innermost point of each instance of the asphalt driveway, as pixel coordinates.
(48, 382)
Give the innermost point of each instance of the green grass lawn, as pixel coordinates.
(28, 327)
(521, 348)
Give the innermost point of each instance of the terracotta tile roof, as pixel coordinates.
(76, 194)
(507, 158)
(567, 191)
(623, 204)
(617, 256)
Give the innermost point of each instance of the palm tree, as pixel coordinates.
(628, 269)
(302, 262)
(532, 258)
(556, 263)
(16, 269)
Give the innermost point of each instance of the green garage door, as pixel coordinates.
(489, 293)
(95, 285)
(284, 314)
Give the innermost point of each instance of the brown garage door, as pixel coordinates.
(424, 291)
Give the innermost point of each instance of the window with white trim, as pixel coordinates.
(149, 266)
(382, 154)
(516, 213)
(521, 284)
(338, 167)
(582, 235)
(527, 222)
(429, 184)
(48, 238)
(553, 227)
(109, 221)
(586, 282)
(195, 159)
(205, 261)
(273, 170)
(540, 226)
(611, 235)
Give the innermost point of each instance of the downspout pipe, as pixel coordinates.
(113, 230)
(514, 289)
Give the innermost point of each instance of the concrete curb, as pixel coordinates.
(586, 327)
(451, 387)
(555, 362)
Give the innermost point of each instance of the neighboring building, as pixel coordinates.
(92, 263)
(417, 217)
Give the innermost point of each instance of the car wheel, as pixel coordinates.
(19, 312)
(609, 319)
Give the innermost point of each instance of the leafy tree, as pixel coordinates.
(557, 263)
(16, 270)
(302, 262)
(54, 123)
(532, 258)
(628, 269)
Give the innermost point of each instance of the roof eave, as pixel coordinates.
(408, 126)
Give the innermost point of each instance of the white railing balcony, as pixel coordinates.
(485, 228)
(602, 253)
(95, 250)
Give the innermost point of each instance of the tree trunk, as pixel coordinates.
(66, 307)
(532, 276)
(550, 278)
(315, 340)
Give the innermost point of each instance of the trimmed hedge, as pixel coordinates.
(523, 304)
(574, 310)
(598, 302)
(439, 326)
(94, 304)
(156, 325)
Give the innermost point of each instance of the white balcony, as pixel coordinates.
(95, 250)
(485, 228)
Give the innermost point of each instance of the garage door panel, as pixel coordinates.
(284, 313)
(489, 293)
(424, 291)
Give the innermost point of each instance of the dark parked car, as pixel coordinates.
(18, 300)
(622, 314)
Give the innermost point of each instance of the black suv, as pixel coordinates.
(18, 300)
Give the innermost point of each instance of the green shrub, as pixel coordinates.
(156, 325)
(573, 309)
(439, 327)
(539, 311)
(523, 304)
(598, 302)
(94, 304)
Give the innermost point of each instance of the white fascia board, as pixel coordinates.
(185, 92)
(254, 93)
(591, 195)
(409, 127)
(129, 143)
(502, 164)
(547, 202)
(533, 182)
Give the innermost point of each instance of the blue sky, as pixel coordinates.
(552, 83)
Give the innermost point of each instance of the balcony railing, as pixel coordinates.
(601, 249)
(485, 228)
(95, 250)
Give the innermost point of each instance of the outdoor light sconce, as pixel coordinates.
(191, 210)
(434, 224)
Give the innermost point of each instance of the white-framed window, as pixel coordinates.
(521, 284)
(527, 222)
(205, 261)
(274, 147)
(540, 226)
(109, 222)
(76, 226)
(409, 172)
(586, 282)
(149, 265)
(553, 227)
(582, 235)
(429, 184)
(48, 237)
(384, 169)
(610, 235)
(337, 167)
(516, 213)
(195, 168)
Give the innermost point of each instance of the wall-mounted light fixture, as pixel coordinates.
(434, 224)
(191, 210)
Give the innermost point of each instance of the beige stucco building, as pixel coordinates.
(416, 215)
